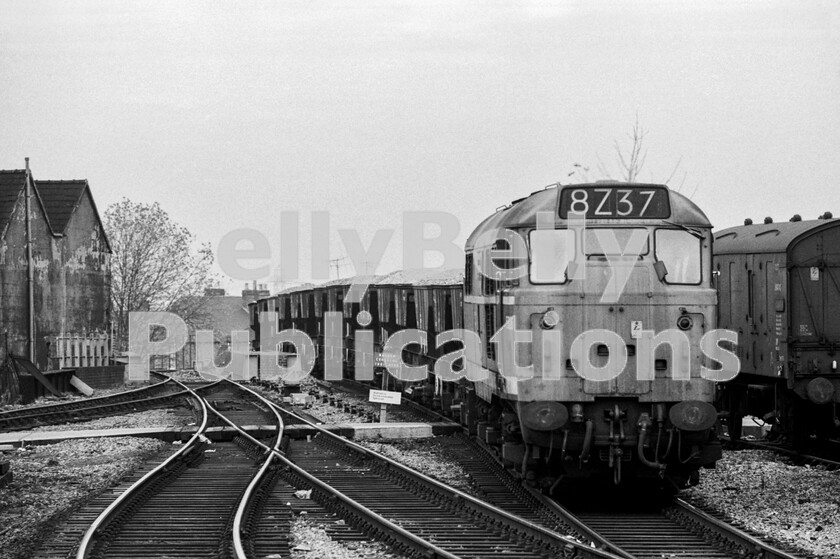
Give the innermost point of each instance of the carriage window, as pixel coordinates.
(551, 252)
(680, 252)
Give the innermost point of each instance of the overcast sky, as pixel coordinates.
(229, 113)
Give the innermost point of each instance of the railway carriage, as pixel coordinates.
(780, 290)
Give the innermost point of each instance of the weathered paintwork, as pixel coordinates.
(779, 288)
(71, 274)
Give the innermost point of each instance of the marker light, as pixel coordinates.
(550, 319)
(685, 323)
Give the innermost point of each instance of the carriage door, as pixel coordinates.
(815, 288)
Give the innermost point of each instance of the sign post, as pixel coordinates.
(384, 397)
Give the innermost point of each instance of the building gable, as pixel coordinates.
(61, 199)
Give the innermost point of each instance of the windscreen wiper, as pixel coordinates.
(696, 232)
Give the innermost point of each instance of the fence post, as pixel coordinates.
(59, 351)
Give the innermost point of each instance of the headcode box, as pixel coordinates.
(385, 397)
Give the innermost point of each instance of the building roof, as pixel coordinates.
(225, 313)
(11, 184)
(60, 199)
(220, 313)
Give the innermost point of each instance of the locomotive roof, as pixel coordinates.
(522, 213)
(766, 237)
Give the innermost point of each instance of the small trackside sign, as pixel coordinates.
(384, 397)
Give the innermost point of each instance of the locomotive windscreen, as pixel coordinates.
(616, 202)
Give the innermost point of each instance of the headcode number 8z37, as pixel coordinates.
(616, 203)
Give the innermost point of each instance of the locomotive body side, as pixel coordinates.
(779, 288)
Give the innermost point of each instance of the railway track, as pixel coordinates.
(413, 514)
(183, 508)
(673, 529)
(360, 389)
(231, 498)
(166, 393)
(211, 500)
(798, 457)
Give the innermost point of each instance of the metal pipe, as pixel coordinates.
(587, 441)
(670, 443)
(30, 270)
(525, 456)
(565, 440)
(693, 454)
(617, 467)
(658, 441)
(640, 447)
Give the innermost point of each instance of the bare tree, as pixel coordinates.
(154, 266)
(632, 161)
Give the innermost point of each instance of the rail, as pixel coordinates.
(828, 463)
(535, 530)
(87, 402)
(98, 525)
(743, 540)
(405, 536)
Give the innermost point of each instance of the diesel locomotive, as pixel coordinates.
(583, 311)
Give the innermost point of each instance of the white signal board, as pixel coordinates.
(385, 397)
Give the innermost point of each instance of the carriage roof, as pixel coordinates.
(767, 237)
